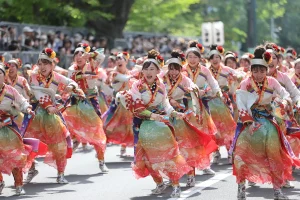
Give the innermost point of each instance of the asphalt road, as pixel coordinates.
(87, 183)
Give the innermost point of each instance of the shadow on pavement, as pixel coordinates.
(119, 165)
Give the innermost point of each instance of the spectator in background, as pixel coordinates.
(12, 34)
(28, 45)
(43, 41)
(78, 37)
(103, 42)
(28, 33)
(25, 70)
(64, 53)
(14, 46)
(58, 41)
(50, 39)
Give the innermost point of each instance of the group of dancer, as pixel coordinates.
(176, 114)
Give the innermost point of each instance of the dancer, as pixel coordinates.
(287, 124)
(48, 124)
(16, 157)
(221, 108)
(118, 120)
(209, 88)
(157, 150)
(83, 117)
(194, 145)
(296, 80)
(19, 83)
(261, 153)
(231, 60)
(281, 66)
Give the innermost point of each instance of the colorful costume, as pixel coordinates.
(118, 120)
(222, 113)
(157, 150)
(194, 145)
(289, 125)
(202, 77)
(50, 128)
(263, 156)
(83, 117)
(16, 155)
(21, 85)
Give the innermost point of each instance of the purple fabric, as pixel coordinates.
(32, 142)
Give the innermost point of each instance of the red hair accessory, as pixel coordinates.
(2, 59)
(182, 56)
(86, 47)
(276, 48)
(50, 53)
(267, 57)
(160, 60)
(19, 61)
(220, 49)
(200, 47)
(126, 54)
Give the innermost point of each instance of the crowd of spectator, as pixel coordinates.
(141, 44)
(33, 39)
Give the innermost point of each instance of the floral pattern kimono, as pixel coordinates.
(83, 117)
(194, 145)
(14, 151)
(264, 155)
(205, 81)
(289, 123)
(222, 113)
(118, 120)
(22, 86)
(157, 150)
(49, 128)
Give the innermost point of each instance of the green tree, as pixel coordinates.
(106, 17)
(288, 26)
(186, 18)
(159, 16)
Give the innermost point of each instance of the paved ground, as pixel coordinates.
(87, 183)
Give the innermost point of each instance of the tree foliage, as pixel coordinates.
(177, 17)
(288, 29)
(162, 16)
(105, 17)
(186, 18)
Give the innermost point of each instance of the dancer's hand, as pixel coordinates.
(180, 115)
(254, 127)
(1, 124)
(69, 89)
(52, 110)
(30, 112)
(174, 103)
(201, 93)
(156, 117)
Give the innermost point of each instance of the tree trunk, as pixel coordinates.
(111, 28)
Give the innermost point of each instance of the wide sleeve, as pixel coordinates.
(165, 102)
(212, 82)
(20, 101)
(280, 90)
(244, 101)
(292, 89)
(121, 77)
(190, 87)
(27, 88)
(66, 81)
(43, 98)
(135, 103)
